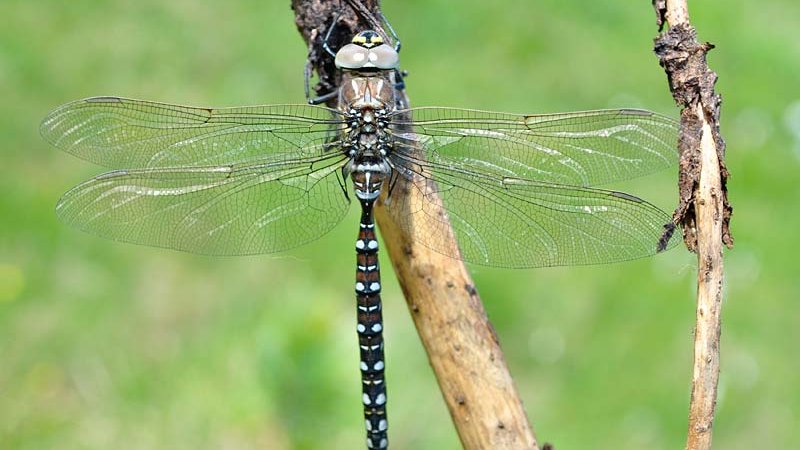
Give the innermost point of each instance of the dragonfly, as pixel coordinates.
(518, 190)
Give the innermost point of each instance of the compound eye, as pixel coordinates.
(383, 57)
(352, 56)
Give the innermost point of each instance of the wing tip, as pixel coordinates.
(49, 127)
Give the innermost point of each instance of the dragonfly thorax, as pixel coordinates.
(366, 133)
(366, 91)
(367, 143)
(366, 100)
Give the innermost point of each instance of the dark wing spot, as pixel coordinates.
(635, 112)
(106, 99)
(625, 196)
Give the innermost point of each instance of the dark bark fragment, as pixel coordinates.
(692, 82)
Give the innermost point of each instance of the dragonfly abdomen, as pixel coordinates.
(370, 318)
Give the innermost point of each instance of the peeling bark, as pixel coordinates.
(692, 83)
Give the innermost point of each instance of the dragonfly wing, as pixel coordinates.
(216, 210)
(581, 148)
(119, 132)
(511, 222)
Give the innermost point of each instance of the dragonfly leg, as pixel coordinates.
(325, 45)
(323, 98)
(308, 72)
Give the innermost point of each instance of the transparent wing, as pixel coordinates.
(117, 132)
(515, 187)
(510, 222)
(213, 210)
(579, 148)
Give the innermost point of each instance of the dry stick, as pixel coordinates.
(704, 210)
(461, 344)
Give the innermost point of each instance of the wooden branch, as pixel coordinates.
(704, 211)
(461, 344)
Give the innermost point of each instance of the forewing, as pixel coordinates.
(216, 210)
(580, 148)
(118, 132)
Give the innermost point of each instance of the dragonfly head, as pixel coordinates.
(367, 52)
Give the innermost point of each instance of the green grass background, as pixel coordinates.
(106, 345)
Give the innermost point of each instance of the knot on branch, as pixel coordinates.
(684, 61)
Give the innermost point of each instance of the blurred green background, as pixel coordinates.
(106, 345)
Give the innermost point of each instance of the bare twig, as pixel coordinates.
(704, 211)
(461, 344)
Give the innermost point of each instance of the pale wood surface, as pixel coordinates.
(705, 377)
